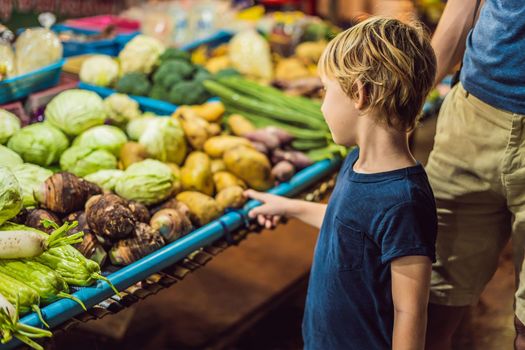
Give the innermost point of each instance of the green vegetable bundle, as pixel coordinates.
(266, 106)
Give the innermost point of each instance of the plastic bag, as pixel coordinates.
(36, 48)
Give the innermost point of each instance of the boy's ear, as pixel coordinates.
(360, 103)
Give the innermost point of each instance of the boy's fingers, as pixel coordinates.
(261, 220)
(275, 220)
(268, 224)
(262, 210)
(260, 196)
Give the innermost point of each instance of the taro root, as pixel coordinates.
(65, 193)
(35, 217)
(283, 171)
(92, 249)
(144, 241)
(139, 210)
(108, 215)
(173, 204)
(21, 217)
(171, 224)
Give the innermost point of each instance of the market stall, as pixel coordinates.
(133, 176)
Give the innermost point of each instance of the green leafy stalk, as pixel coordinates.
(72, 297)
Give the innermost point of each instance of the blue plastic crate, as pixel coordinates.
(20, 86)
(110, 47)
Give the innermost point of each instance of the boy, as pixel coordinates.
(369, 283)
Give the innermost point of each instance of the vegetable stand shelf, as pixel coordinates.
(227, 227)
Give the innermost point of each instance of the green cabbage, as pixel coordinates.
(9, 124)
(10, 197)
(105, 137)
(148, 182)
(40, 144)
(121, 108)
(140, 54)
(164, 140)
(9, 158)
(74, 111)
(30, 177)
(82, 161)
(99, 70)
(136, 127)
(106, 179)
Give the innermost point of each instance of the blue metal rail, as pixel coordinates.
(64, 309)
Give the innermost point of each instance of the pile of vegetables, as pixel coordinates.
(266, 106)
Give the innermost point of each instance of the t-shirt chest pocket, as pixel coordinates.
(347, 247)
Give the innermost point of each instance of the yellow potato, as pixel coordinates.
(240, 125)
(217, 165)
(251, 166)
(224, 179)
(203, 208)
(210, 111)
(196, 174)
(217, 145)
(231, 197)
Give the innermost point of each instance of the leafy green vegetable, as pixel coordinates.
(74, 111)
(107, 137)
(172, 72)
(82, 161)
(121, 108)
(40, 143)
(148, 182)
(101, 70)
(140, 54)
(188, 93)
(164, 140)
(30, 177)
(136, 128)
(107, 179)
(9, 124)
(10, 197)
(134, 84)
(9, 158)
(174, 53)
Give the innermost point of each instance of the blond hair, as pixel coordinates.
(393, 60)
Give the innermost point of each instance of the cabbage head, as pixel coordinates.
(136, 127)
(9, 124)
(121, 108)
(10, 197)
(100, 70)
(30, 177)
(106, 179)
(148, 182)
(9, 158)
(140, 54)
(107, 137)
(74, 111)
(39, 143)
(82, 161)
(164, 140)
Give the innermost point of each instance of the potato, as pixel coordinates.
(196, 129)
(210, 111)
(217, 145)
(251, 166)
(203, 208)
(196, 174)
(224, 179)
(231, 197)
(132, 152)
(217, 165)
(240, 125)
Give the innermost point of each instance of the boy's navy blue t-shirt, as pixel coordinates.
(371, 219)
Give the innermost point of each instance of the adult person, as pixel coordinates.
(477, 166)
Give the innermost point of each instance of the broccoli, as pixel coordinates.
(134, 84)
(202, 74)
(188, 93)
(173, 53)
(227, 72)
(159, 93)
(172, 72)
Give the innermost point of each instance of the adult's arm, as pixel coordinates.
(450, 37)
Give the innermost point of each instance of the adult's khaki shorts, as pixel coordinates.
(477, 172)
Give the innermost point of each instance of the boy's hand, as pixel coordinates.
(273, 208)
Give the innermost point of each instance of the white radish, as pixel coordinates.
(18, 244)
